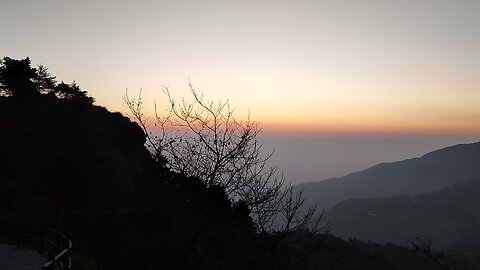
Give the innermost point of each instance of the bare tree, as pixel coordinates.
(203, 139)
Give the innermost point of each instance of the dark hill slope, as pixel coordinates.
(450, 217)
(85, 171)
(431, 172)
(59, 152)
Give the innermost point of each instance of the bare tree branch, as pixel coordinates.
(203, 139)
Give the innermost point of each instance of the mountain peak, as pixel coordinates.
(430, 172)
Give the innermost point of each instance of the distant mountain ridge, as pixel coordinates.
(431, 172)
(450, 217)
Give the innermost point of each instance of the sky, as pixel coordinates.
(305, 69)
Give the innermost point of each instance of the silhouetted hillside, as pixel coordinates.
(69, 153)
(450, 217)
(85, 170)
(431, 172)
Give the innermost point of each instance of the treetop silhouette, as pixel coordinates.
(19, 79)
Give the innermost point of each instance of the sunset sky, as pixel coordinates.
(322, 67)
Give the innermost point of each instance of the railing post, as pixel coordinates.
(51, 257)
(66, 259)
(37, 236)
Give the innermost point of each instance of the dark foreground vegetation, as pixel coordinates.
(74, 166)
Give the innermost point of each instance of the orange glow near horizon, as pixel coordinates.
(365, 126)
(380, 122)
(359, 129)
(353, 116)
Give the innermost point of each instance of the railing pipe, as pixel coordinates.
(26, 233)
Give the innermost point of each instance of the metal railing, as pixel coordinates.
(50, 242)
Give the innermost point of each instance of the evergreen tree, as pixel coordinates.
(17, 77)
(44, 81)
